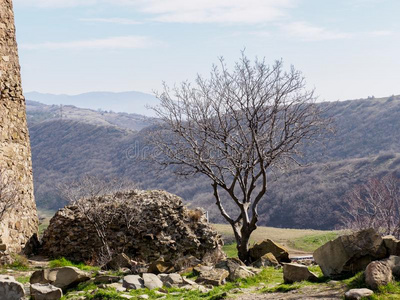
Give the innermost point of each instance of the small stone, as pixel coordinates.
(133, 282)
(296, 273)
(214, 277)
(151, 281)
(357, 294)
(11, 289)
(45, 292)
(378, 273)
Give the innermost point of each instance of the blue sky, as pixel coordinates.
(346, 49)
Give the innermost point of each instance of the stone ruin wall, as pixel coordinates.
(21, 221)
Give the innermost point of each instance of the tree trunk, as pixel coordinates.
(243, 246)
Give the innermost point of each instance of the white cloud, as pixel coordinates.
(120, 42)
(190, 11)
(122, 21)
(308, 32)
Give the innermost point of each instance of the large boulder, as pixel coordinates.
(378, 273)
(63, 278)
(145, 225)
(268, 246)
(10, 289)
(45, 292)
(349, 254)
(296, 273)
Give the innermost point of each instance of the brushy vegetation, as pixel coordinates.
(20, 263)
(63, 262)
(313, 242)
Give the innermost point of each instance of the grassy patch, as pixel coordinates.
(23, 279)
(63, 262)
(310, 243)
(230, 250)
(20, 263)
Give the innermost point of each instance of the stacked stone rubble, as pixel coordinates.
(21, 222)
(160, 227)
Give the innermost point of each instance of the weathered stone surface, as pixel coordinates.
(269, 246)
(20, 221)
(357, 294)
(45, 292)
(161, 227)
(10, 289)
(151, 281)
(392, 245)
(106, 279)
(118, 262)
(171, 280)
(160, 266)
(378, 273)
(236, 268)
(296, 273)
(63, 278)
(394, 264)
(133, 282)
(215, 277)
(351, 253)
(267, 260)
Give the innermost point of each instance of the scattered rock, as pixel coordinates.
(378, 273)
(235, 267)
(267, 260)
(133, 282)
(10, 289)
(117, 286)
(45, 291)
(296, 273)
(392, 245)
(357, 294)
(118, 262)
(63, 278)
(160, 266)
(106, 279)
(171, 280)
(214, 277)
(268, 246)
(351, 253)
(151, 281)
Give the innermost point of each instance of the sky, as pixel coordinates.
(346, 49)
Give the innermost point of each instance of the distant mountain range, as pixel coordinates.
(126, 102)
(366, 144)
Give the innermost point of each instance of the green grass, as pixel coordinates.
(230, 250)
(63, 262)
(23, 279)
(20, 263)
(310, 243)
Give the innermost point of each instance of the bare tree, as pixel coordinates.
(8, 194)
(233, 128)
(98, 201)
(374, 204)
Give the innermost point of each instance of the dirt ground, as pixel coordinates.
(321, 292)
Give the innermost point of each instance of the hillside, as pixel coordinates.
(366, 144)
(128, 102)
(38, 112)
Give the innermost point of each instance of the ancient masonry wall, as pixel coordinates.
(20, 222)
